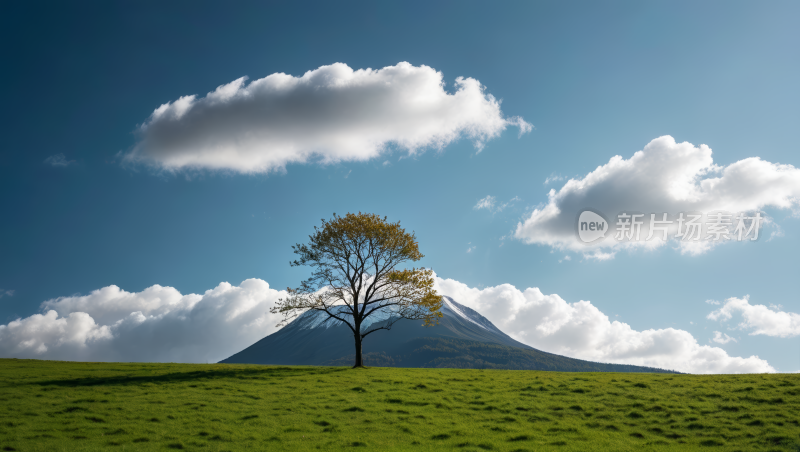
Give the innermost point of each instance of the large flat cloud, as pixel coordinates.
(161, 324)
(580, 330)
(759, 319)
(330, 114)
(664, 177)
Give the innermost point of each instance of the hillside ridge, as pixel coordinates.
(463, 339)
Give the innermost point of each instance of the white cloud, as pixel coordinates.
(509, 203)
(553, 178)
(156, 324)
(490, 203)
(664, 177)
(759, 319)
(599, 256)
(58, 160)
(778, 232)
(714, 302)
(6, 293)
(485, 203)
(524, 127)
(330, 114)
(722, 338)
(580, 330)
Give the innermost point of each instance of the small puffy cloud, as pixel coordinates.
(156, 324)
(599, 256)
(524, 127)
(778, 232)
(485, 203)
(553, 178)
(509, 203)
(490, 203)
(58, 160)
(664, 177)
(722, 338)
(759, 319)
(330, 114)
(6, 293)
(580, 330)
(714, 302)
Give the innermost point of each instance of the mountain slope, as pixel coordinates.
(463, 339)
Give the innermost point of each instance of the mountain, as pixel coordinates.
(463, 339)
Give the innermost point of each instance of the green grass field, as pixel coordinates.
(53, 406)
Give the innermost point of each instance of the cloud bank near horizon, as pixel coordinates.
(330, 114)
(159, 324)
(664, 177)
(580, 330)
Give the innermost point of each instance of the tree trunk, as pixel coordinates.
(359, 362)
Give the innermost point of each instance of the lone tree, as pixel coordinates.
(355, 276)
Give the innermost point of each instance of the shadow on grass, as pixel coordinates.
(179, 377)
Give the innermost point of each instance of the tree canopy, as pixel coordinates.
(356, 273)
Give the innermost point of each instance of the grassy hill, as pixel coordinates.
(51, 406)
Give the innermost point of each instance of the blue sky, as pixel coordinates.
(594, 79)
